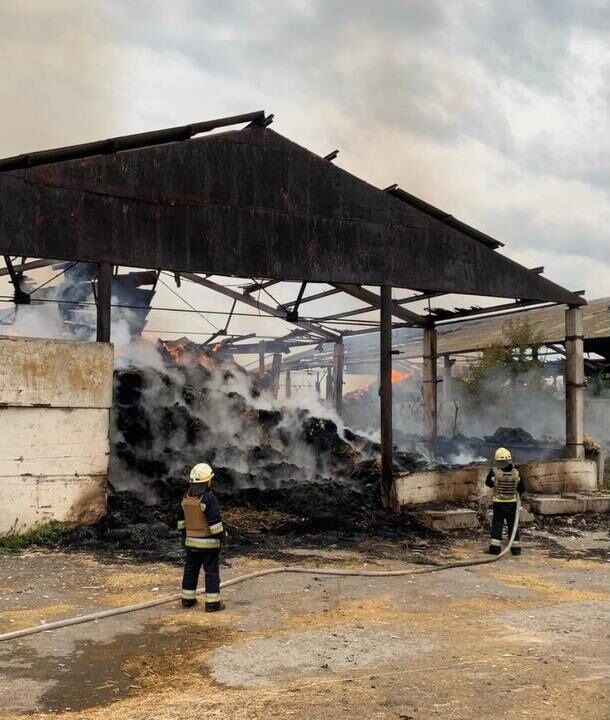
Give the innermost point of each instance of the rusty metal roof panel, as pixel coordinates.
(247, 203)
(443, 216)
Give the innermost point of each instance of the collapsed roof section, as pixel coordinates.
(245, 203)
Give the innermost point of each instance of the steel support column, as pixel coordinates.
(104, 299)
(385, 392)
(430, 387)
(575, 383)
(338, 361)
(329, 385)
(276, 366)
(261, 359)
(288, 384)
(447, 382)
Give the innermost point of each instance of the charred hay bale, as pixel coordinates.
(133, 423)
(367, 472)
(323, 434)
(128, 386)
(177, 423)
(366, 446)
(269, 418)
(261, 456)
(237, 403)
(511, 436)
(404, 461)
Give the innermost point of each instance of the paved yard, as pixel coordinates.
(523, 638)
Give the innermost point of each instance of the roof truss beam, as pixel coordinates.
(309, 327)
(317, 296)
(33, 265)
(375, 301)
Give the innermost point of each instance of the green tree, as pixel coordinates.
(507, 366)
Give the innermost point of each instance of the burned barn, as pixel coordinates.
(206, 203)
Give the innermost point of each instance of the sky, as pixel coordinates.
(497, 112)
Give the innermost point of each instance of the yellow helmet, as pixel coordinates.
(502, 455)
(201, 473)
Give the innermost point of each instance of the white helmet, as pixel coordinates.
(201, 473)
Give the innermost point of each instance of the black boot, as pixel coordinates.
(188, 603)
(516, 550)
(214, 606)
(494, 550)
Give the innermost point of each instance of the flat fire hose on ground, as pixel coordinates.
(262, 573)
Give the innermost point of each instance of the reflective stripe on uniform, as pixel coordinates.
(505, 500)
(216, 528)
(202, 543)
(188, 594)
(181, 525)
(493, 541)
(212, 597)
(516, 544)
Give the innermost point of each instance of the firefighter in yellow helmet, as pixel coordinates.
(203, 538)
(505, 480)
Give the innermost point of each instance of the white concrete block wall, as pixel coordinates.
(468, 483)
(55, 399)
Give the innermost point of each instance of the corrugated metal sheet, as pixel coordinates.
(461, 337)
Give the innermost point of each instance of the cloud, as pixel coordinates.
(496, 112)
(59, 71)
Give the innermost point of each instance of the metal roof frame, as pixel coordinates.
(294, 216)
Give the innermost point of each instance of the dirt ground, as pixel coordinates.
(527, 637)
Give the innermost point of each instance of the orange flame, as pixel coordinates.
(398, 376)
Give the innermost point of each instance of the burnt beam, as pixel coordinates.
(126, 142)
(293, 313)
(430, 386)
(337, 376)
(317, 296)
(23, 267)
(385, 393)
(276, 366)
(288, 385)
(474, 311)
(574, 383)
(253, 287)
(309, 327)
(375, 302)
(103, 299)
(19, 296)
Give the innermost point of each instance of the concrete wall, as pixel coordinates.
(560, 476)
(427, 486)
(55, 399)
(468, 483)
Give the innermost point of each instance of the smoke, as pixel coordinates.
(529, 402)
(61, 68)
(66, 310)
(535, 402)
(165, 421)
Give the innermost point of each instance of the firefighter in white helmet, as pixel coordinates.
(504, 478)
(203, 538)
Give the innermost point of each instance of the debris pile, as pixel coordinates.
(297, 462)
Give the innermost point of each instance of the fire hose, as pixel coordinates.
(263, 573)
